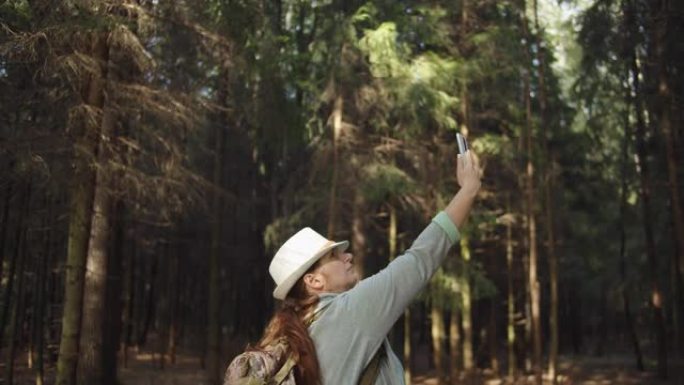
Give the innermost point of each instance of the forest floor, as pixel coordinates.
(147, 369)
(582, 370)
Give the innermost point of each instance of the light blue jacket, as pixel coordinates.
(354, 323)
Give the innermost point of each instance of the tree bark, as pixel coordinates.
(392, 233)
(91, 355)
(454, 346)
(491, 338)
(214, 315)
(337, 130)
(466, 314)
(11, 273)
(43, 271)
(5, 224)
(148, 299)
(17, 304)
(128, 317)
(437, 333)
(510, 303)
(656, 301)
(81, 212)
(533, 281)
(549, 211)
(359, 242)
(113, 324)
(665, 107)
(175, 293)
(623, 237)
(466, 293)
(16, 314)
(394, 337)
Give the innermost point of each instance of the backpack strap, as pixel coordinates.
(315, 315)
(283, 372)
(371, 371)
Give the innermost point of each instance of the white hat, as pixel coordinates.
(296, 256)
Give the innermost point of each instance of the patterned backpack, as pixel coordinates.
(274, 366)
(270, 366)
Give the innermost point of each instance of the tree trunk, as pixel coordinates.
(392, 232)
(79, 228)
(17, 304)
(656, 301)
(163, 321)
(466, 311)
(5, 224)
(91, 357)
(548, 189)
(601, 330)
(128, 317)
(437, 333)
(175, 293)
(16, 314)
(656, 294)
(553, 276)
(113, 297)
(81, 212)
(337, 130)
(359, 242)
(148, 298)
(491, 338)
(510, 303)
(623, 237)
(466, 314)
(43, 267)
(665, 111)
(394, 337)
(11, 274)
(533, 281)
(54, 288)
(454, 346)
(214, 314)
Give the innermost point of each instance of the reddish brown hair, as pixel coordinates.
(290, 322)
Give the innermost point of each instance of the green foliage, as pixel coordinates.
(15, 13)
(491, 145)
(387, 58)
(280, 229)
(445, 289)
(597, 37)
(384, 182)
(421, 86)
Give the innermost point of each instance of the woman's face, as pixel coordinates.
(336, 272)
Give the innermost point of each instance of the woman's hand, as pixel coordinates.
(468, 172)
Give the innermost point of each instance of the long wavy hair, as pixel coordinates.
(291, 322)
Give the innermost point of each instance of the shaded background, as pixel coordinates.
(154, 155)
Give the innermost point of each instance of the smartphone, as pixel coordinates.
(462, 143)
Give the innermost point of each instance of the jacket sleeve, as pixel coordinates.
(376, 302)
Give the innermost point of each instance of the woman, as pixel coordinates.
(333, 325)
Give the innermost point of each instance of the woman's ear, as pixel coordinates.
(314, 281)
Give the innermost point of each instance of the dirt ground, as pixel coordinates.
(607, 370)
(583, 370)
(147, 369)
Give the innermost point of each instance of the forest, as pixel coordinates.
(154, 154)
